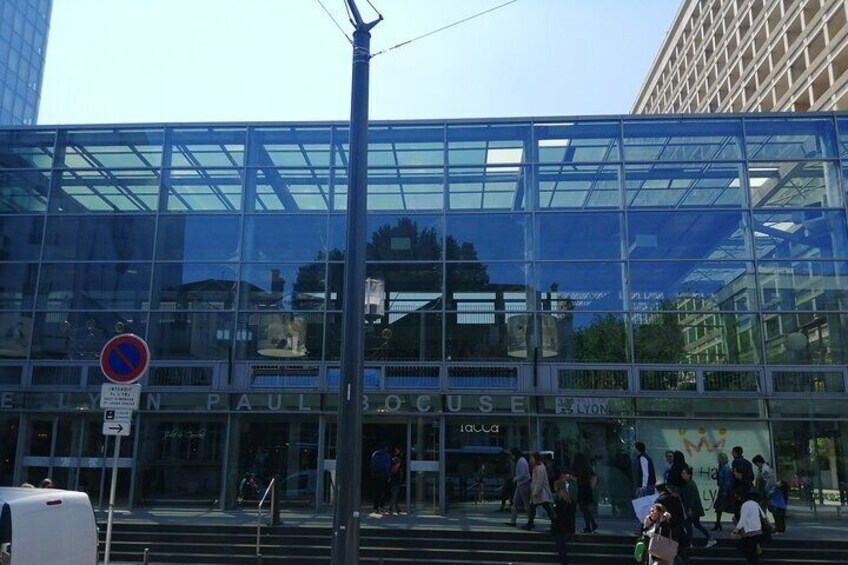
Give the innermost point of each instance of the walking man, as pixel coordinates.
(522, 485)
(381, 467)
(743, 479)
(645, 473)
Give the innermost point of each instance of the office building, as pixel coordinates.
(751, 56)
(568, 285)
(24, 25)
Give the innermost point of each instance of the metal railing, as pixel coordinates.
(273, 492)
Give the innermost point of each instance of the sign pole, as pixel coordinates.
(112, 489)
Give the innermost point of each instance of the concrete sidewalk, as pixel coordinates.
(797, 527)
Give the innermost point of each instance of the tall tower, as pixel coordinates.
(24, 25)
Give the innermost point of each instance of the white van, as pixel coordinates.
(46, 527)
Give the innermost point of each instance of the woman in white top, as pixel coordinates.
(749, 529)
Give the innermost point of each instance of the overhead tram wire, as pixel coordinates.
(435, 31)
(329, 15)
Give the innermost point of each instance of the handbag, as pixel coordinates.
(640, 551)
(662, 547)
(766, 528)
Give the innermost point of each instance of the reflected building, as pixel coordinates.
(24, 26)
(571, 285)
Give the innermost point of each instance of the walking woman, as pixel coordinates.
(563, 525)
(749, 529)
(540, 490)
(724, 501)
(586, 481)
(658, 523)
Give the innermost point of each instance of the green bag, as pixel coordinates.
(640, 551)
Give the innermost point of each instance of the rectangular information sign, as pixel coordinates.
(120, 396)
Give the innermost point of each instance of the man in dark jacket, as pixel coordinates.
(381, 467)
(669, 497)
(646, 475)
(743, 478)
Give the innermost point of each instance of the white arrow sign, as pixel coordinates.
(116, 429)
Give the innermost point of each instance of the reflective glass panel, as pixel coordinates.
(276, 337)
(684, 184)
(190, 335)
(688, 235)
(492, 188)
(396, 189)
(486, 236)
(476, 287)
(207, 147)
(26, 149)
(285, 238)
(479, 335)
(270, 189)
(204, 190)
(399, 237)
(809, 381)
(577, 142)
(800, 234)
(682, 140)
(397, 146)
(198, 238)
(111, 148)
(578, 236)
(15, 332)
(283, 286)
(843, 137)
(81, 335)
(583, 337)
(795, 185)
(403, 287)
(94, 286)
(579, 186)
(397, 336)
(803, 285)
(20, 237)
(23, 190)
(17, 285)
(487, 144)
(806, 338)
(562, 287)
(99, 238)
(97, 190)
(790, 138)
(290, 147)
(194, 286)
(696, 337)
(692, 285)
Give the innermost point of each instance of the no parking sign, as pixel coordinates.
(124, 359)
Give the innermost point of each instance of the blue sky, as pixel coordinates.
(127, 61)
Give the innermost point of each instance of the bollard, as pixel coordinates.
(146, 555)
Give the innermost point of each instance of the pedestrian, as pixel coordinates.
(743, 479)
(694, 508)
(521, 480)
(565, 510)
(46, 483)
(669, 460)
(646, 476)
(540, 491)
(675, 472)
(749, 528)
(668, 496)
(586, 482)
(248, 489)
(657, 523)
(725, 501)
(395, 479)
(381, 466)
(771, 495)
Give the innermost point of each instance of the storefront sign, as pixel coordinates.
(480, 428)
(582, 406)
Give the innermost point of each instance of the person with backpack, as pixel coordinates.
(381, 467)
(772, 496)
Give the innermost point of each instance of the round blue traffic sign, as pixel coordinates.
(124, 359)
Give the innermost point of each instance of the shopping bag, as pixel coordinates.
(662, 547)
(642, 505)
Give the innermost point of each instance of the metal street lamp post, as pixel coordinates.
(346, 520)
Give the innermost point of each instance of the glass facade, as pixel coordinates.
(24, 25)
(572, 286)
